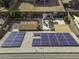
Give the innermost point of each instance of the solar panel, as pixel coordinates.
(13, 40)
(55, 39)
(15, 44)
(45, 44)
(36, 34)
(54, 43)
(36, 42)
(6, 44)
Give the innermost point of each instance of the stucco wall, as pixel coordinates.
(73, 25)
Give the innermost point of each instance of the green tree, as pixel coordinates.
(66, 19)
(1, 2)
(29, 15)
(5, 3)
(15, 14)
(23, 14)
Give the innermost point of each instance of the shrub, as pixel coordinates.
(29, 15)
(5, 3)
(15, 14)
(66, 19)
(23, 14)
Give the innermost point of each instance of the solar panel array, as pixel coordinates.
(13, 40)
(54, 39)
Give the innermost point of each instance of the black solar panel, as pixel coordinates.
(55, 39)
(14, 40)
(36, 34)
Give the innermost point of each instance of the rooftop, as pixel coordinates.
(26, 46)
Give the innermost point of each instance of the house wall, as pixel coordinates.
(39, 55)
(73, 25)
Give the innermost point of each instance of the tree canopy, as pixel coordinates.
(5, 3)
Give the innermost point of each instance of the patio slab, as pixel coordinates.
(25, 25)
(62, 28)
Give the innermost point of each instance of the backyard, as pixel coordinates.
(28, 7)
(24, 25)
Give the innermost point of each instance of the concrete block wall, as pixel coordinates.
(73, 25)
